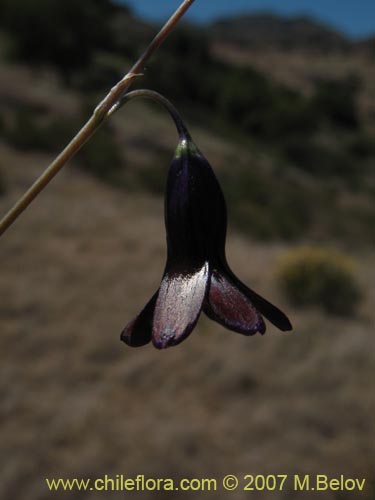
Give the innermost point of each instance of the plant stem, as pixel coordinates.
(100, 114)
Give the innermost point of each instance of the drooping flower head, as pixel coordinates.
(196, 276)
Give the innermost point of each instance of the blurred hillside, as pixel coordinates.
(265, 29)
(285, 119)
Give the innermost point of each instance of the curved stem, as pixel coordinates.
(154, 96)
(100, 114)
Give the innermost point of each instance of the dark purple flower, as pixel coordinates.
(197, 276)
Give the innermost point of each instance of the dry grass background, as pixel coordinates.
(76, 402)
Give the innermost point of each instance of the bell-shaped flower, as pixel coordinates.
(197, 276)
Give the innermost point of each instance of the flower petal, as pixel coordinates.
(229, 306)
(178, 305)
(139, 331)
(268, 310)
(195, 211)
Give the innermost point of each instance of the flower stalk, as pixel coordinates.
(159, 98)
(101, 113)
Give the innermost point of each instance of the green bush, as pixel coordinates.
(2, 185)
(24, 131)
(320, 277)
(362, 145)
(267, 110)
(336, 101)
(62, 34)
(2, 124)
(102, 156)
(185, 71)
(321, 160)
(32, 130)
(259, 207)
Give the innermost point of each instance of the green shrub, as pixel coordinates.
(336, 101)
(267, 110)
(24, 132)
(171, 72)
(2, 185)
(32, 130)
(62, 34)
(320, 277)
(321, 160)
(362, 145)
(102, 156)
(259, 207)
(2, 124)
(35, 131)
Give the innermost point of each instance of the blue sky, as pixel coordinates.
(354, 17)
